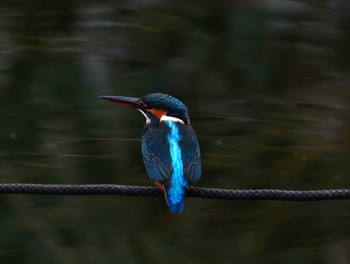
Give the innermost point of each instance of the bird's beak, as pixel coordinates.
(122, 100)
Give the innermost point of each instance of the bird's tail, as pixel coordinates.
(175, 199)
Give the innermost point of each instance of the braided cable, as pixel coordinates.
(198, 192)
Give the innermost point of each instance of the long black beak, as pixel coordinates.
(122, 100)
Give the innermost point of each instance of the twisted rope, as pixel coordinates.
(211, 193)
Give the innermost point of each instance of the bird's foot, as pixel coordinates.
(160, 185)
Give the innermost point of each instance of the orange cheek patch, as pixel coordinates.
(158, 113)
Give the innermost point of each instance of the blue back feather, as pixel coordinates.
(175, 193)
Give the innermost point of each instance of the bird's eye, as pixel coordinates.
(143, 104)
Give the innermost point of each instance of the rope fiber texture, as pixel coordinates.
(211, 193)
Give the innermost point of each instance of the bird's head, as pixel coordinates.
(156, 107)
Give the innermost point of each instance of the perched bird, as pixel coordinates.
(169, 145)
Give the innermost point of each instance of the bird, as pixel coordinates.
(170, 148)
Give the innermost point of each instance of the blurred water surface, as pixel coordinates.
(267, 85)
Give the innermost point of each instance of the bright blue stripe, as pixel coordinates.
(176, 192)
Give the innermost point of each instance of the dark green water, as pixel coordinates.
(267, 85)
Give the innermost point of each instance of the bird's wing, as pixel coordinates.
(193, 170)
(157, 169)
(190, 155)
(156, 156)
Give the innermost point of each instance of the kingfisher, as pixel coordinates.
(170, 147)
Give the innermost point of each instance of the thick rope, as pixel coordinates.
(211, 193)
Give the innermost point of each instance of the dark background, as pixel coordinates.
(267, 86)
